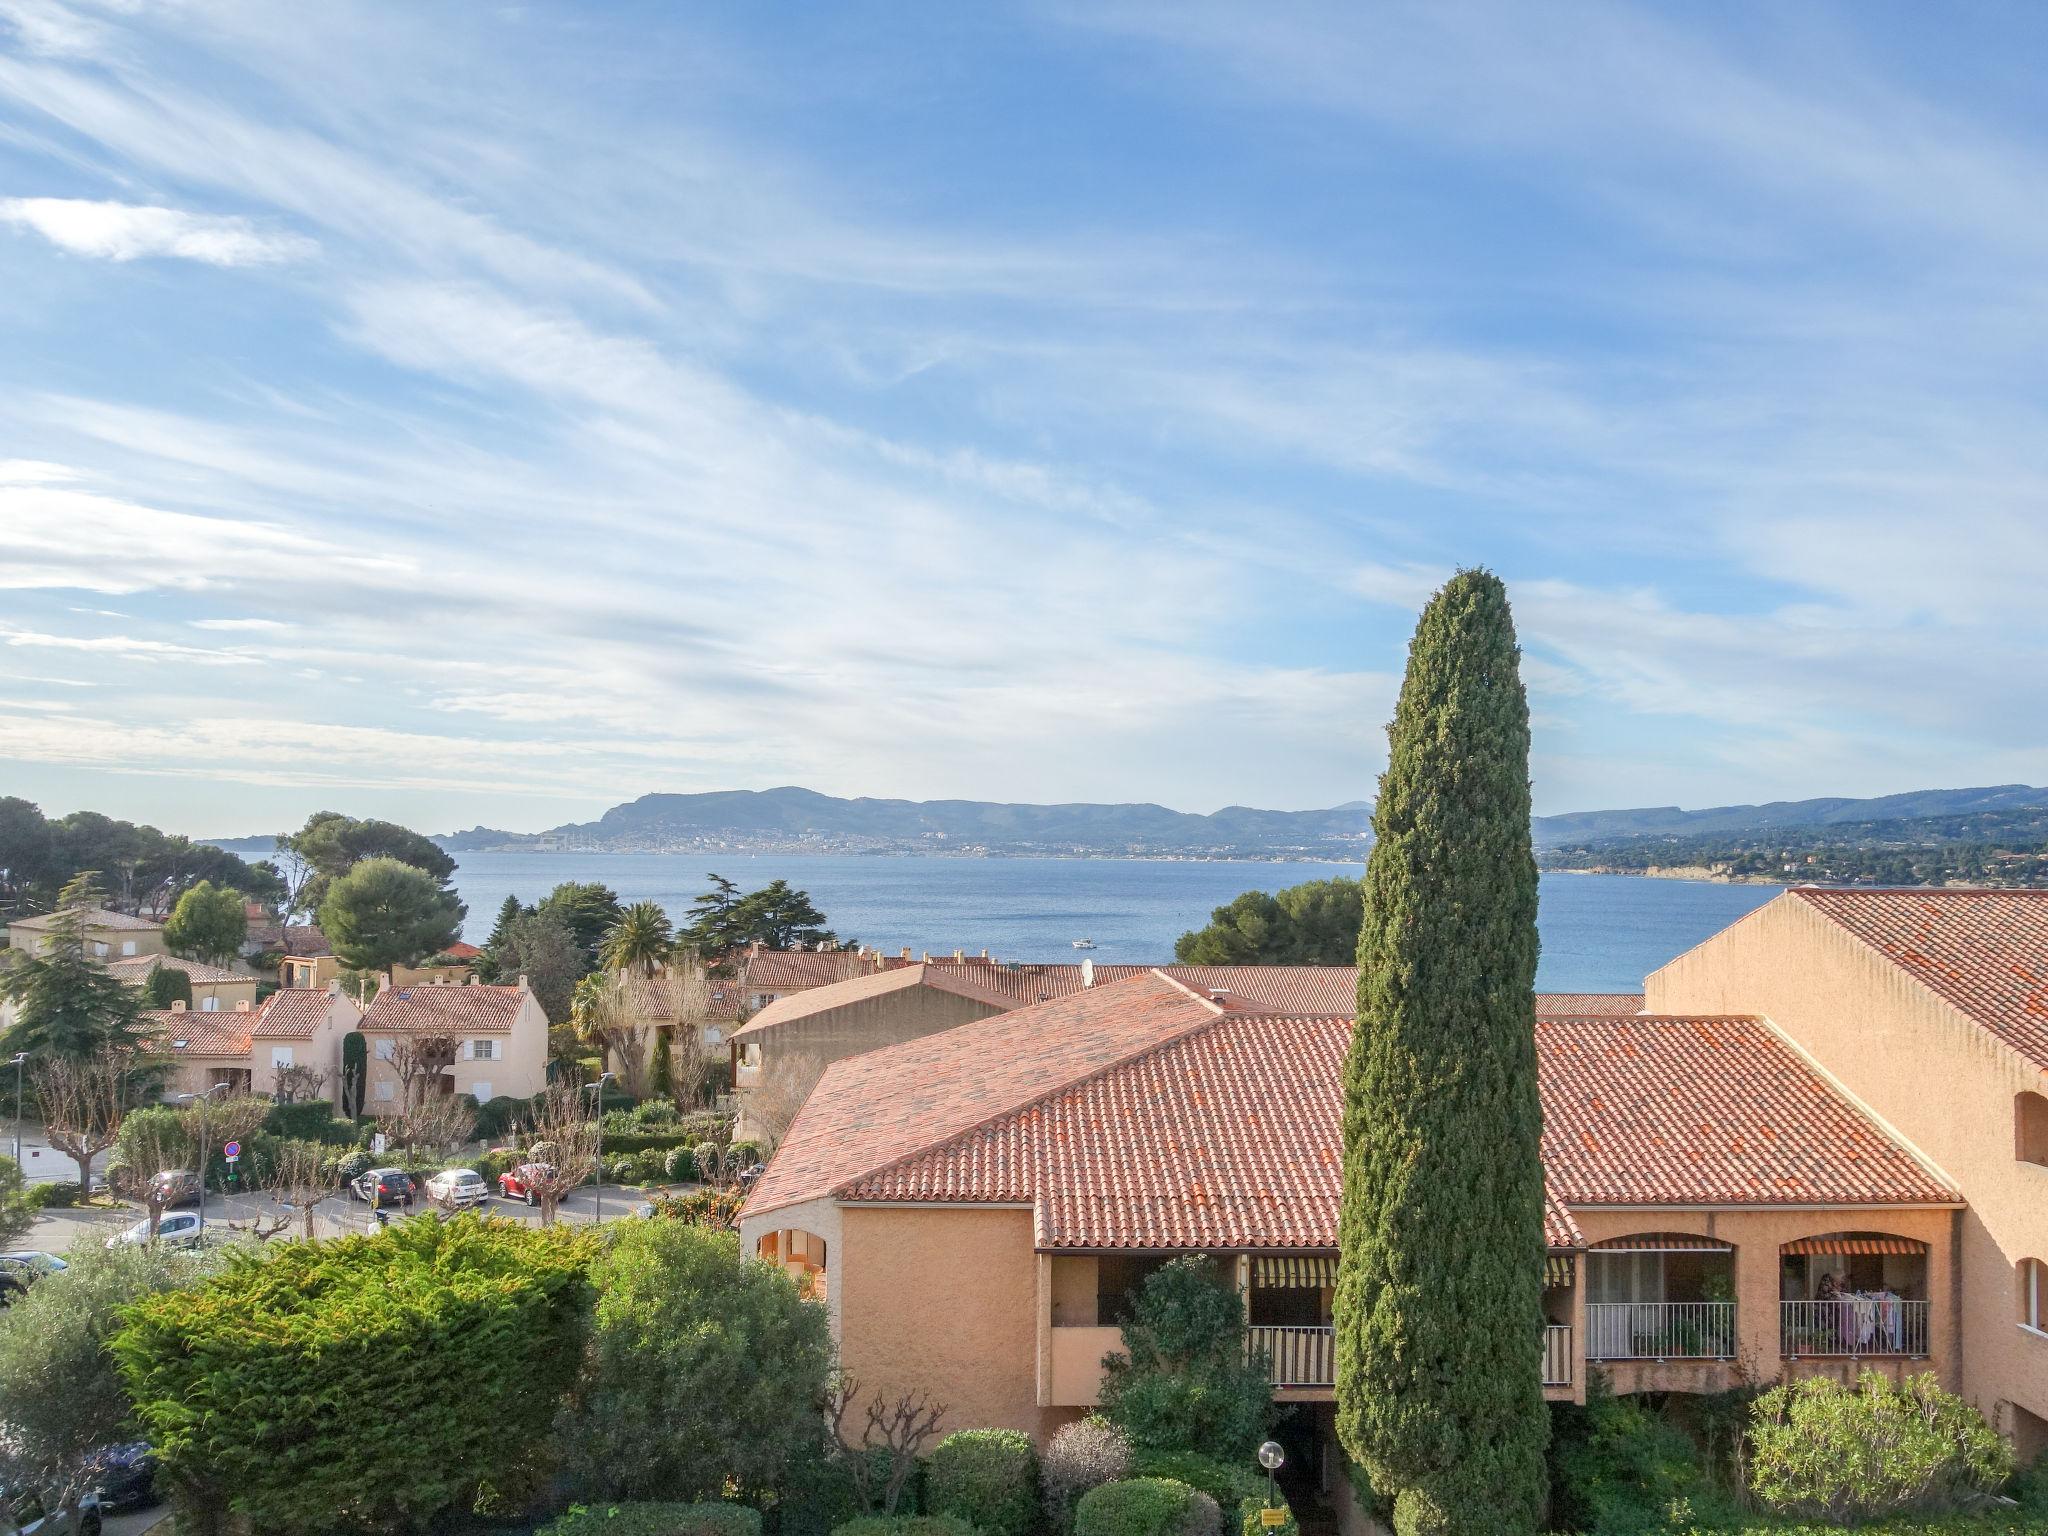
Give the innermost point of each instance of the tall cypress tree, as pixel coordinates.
(1439, 1293)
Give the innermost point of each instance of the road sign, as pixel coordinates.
(231, 1151)
(1272, 1517)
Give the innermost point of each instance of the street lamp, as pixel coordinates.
(1271, 1457)
(19, 1058)
(205, 1146)
(598, 1089)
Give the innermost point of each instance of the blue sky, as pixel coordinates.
(465, 414)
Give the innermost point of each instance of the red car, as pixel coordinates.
(517, 1183)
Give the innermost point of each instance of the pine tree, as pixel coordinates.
(66, 1004)
(661, 1071)
(1439, 1296)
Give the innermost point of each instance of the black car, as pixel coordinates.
(176, 1187)
(124, 1476)
(383, 1186)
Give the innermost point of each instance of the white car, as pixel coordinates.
(174, 1227)
(458, 1187)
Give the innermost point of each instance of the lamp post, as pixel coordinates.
(205, 1145)
(1271, 1457)
(19, 1058)
(598, 1109)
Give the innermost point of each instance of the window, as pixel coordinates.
(127, 946)
(209, 1005)
(2034, 1295)
(386, 1049)
(481, 1092)
(483, 1050)
(384, 1091)
(280, 1056)
(98, 948)
(2030, 1128)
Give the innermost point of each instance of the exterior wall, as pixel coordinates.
(198, 1074)
(228, 993)
(1943, 1084)
(147, 941)
(1757, 1237)
(321, 1051)
(820, 1217)
(942, 1300)
(307, 970)
(517, 1067)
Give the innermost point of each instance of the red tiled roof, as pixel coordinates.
(305, 943)
(959, 980)
(796, 970)
(461, 949)
(225, 1033)
(1586, 1005)
(430, 1009)
(1657, 1110)
(296, 1013)
(1984, 952)
(870, 1110)
(1224, 1130)
(136, 969)
(95, 917)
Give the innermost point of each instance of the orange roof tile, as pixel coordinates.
(136, 969)
(1984, 952)
(795, 970)
(225, 1033)
(296, 1013)
(1586, 1005)
(959, 980)
(446, 1008)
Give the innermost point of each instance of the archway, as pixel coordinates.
(1660, 1296)
(800, 1255)
(1853, 1294)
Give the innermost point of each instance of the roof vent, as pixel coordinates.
(1217, 994)
(177, 1005)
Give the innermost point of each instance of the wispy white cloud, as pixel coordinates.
(128, 232)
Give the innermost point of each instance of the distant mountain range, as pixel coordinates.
(792, 820)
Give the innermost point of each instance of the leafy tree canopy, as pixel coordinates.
(640, 940)
(139, 866)
(209, 923)
(588, 908)
(777, 916)
(1183, 1381)
(330, 844)
(1311, 924)
(66, 1005)
(16, 1214)
(384, 912)
(539, 946)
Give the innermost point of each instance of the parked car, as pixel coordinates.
(383, 1186)
(34, 1261)
(24, 1512)
(459, 1187)
(517, 1183)
(176, 1186)
(179, 1227)
(123, 1476)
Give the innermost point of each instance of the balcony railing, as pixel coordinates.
(1660, 1330)
(1853, 1326)
(1557, 1355)
(1297, 1357)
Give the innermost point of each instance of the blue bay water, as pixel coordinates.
(1601, 933)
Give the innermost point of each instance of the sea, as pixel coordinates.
(1600, 933)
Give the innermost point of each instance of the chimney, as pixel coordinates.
(243, 1006)
(906, 951)
(177, 1005)
(959, 955)
(984, 953)
(334, 988)
(1087, 972)
(522, 983)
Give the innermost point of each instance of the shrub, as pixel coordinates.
(495, 1119)
(657, 1112)
(1080, 1456)
(1615, 1465)
(1227, 1482)
(1138, 1506)
(56, 1194)
(351, 1166)
(1251, 1519)
(621, 1170)
(988, 1477)
(679, 1164)
(1822, 1450)
(743, 1154)
(656, 1520)
(627, 1142)
(904, 1525)
(166, 985)
(306, 1120)
(463, 1334)
(1184, 1380)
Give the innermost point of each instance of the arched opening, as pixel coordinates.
(2030, 1128)
(2033, 1278)
(1660, 1296)
(800, 1255)
(1853, 1294)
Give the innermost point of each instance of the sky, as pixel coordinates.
(486, 414)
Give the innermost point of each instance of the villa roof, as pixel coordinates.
(95, 917)
(225, 1033)
(796, 970)
(433, 1008)
(136, 969)
(962, 981)
(1983, 952)
(296, 1013)
(1142, 1115)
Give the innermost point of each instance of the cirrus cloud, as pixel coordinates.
(131, 232)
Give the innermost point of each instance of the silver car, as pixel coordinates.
(24, 1512)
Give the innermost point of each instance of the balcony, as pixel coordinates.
(1297, 1357)
(1852, 1327)
(1660, 1330)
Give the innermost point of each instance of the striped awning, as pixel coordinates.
(1309, 1272)
(1855, 1245)
(1662, 1242)
(1557, 1271)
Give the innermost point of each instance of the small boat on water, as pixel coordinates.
(1084, 943)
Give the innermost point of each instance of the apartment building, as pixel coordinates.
(489, 1041)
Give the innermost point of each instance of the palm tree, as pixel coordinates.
(642, 937)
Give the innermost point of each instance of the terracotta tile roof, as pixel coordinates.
(296, 1013)
(796, 970)
(871, 1110)
(1984, 952)
(444, 1009)
(136, 969)
(1223, 1130)
(1559, 1230)
(305, 942)
(1657, 1110)
(95, 917)
(959, 980)
(461, 949)
(225, 1033)
(1586, 1005)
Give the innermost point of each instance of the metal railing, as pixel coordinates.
(1660, 1330)
(1852, 1326)
(1557, 1355)
(1297, 1357)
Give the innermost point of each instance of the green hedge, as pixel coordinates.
(58, 1194)
(460, 1338)
(987, 1477)
(1138, 1506)
(905, 1525)
(1226, 1482)
(1931, 1525)
(495, 1119)
(656, 1520)
(310, 1120)
(628, 1143)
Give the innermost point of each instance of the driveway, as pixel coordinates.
(138, 1522)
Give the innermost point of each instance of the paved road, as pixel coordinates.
(136, 1523)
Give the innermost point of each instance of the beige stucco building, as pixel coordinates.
(108, 935)
(246, 1047)
(496, 1040)
(1928, 1008)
